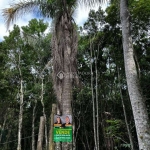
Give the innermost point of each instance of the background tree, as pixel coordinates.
(32, 65)
(137, 99)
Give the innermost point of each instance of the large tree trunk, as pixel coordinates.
(137, 101)
(64, 46)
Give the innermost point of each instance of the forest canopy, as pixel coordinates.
(101, 105)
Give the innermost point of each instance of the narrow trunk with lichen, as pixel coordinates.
(137, 100)
(64, 46)
(21, 96)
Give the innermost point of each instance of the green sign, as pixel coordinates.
(62, 134)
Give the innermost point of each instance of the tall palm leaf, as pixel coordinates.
(47, 8)
(16, 10)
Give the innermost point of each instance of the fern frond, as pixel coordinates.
(93, 3)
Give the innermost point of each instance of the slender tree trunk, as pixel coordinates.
(3, 127)
(6, 146)
(51, 145)
(41, 133)
(125, 115)
(137, 100)
(42, 92)
(126, 121)
(33, 126)
(21, 107)
(97, 105)
(93, 101)
(20, 118)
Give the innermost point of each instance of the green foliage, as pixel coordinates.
(125, 145)
(113, 127)
(34, 57)
(35, 27)
(113, 14)
(140, 10)
(95, 21)
(55, 8)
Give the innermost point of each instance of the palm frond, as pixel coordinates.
(92, 3)
(16, 10)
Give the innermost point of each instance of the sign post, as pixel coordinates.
(62, 130)
(62, 134)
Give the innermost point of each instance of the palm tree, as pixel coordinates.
(64, 44)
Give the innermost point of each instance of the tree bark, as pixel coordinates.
(21, 106)
(33, 126)
(20, 119)
(64, 46)
(3, 127)
(137, 100)
(41, 133)
(42, 92)
(93, 101)
(97, 104)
